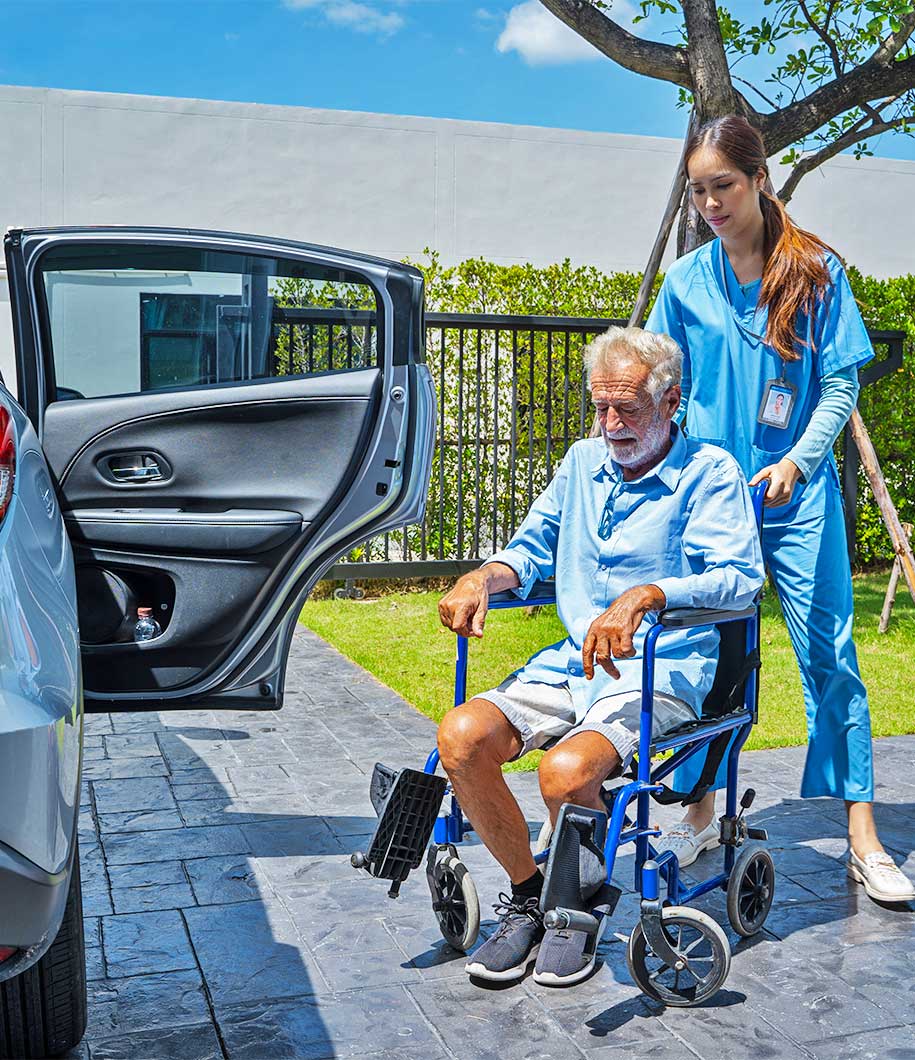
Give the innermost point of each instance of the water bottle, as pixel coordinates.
(147, 628)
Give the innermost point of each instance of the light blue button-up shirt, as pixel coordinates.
(687, 526)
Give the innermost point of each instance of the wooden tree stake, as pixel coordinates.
(890, 597)
(898, 536)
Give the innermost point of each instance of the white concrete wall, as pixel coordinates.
(389, 185)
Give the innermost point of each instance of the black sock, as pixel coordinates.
(529, 888)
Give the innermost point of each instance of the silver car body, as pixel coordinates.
(41, 701)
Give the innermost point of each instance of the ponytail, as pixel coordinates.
(795, 274)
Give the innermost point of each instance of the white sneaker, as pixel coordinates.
(687, 843)
(881, 877)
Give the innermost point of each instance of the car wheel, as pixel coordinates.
(43, 1009)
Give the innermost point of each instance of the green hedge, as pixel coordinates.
(479, 286)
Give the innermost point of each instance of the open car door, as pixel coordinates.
(223, 416)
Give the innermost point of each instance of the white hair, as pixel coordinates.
(658, 352)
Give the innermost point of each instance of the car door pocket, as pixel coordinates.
(134, 468)
(110, 596)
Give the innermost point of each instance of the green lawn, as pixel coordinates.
(399, 639)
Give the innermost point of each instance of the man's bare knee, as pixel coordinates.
(476, 734)
(574, 771)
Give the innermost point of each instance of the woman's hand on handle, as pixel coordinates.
(782, 478)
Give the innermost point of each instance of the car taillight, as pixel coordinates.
(7, 460)
(6, 952)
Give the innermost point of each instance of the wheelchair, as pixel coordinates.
(676, 954)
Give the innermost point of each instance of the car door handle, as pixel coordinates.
(134, 467)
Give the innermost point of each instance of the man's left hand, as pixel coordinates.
(610, 634)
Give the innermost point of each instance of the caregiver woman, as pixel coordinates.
(772, 342)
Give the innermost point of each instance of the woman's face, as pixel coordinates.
(724, 195)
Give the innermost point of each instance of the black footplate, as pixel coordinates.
(575, 869)
(407, 802)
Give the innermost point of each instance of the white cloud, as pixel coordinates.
(541, 39)
(354, 15)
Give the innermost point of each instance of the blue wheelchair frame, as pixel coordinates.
(650, 866)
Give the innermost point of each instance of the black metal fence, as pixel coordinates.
(512, 398)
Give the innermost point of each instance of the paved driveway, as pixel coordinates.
(223, 918)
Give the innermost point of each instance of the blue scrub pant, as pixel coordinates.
(807, 560)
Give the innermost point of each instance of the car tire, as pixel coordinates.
(43, 1009)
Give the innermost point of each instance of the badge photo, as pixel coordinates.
(777, 403)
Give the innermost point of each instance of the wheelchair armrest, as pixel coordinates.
(541, 593)
(688, 617)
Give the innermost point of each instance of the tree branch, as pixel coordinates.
(857, 88)
(661, 61)
(758, 92)
(856, 133)
(820, 31)
(894, 43)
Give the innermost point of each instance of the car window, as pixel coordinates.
(127, 319)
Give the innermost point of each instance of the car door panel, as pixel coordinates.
(219, 498)
(239, 531)
(291, 441)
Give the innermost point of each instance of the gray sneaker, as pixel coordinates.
(515, 943)
(565, 957)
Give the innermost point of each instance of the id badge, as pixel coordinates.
(777, 403)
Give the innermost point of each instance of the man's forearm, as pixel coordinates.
(498, 577)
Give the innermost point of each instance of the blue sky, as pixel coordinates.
(486, 60)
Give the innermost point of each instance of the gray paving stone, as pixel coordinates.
(893, 1044)
(143, 793)
(137, 721)
(142, 1002)
(246, 810)
(96, 892)
(133, 745)
(728, 1027)
(807, 1004)
(147, 874)
(175, 1043)
(163, 896)
(473, 1021)
(137, 943)
(124, 769)
(252, 950)
(263, 780)
(174, 844)
(189, 791)
(368, 1022)
(139, 821)
(306, 836)
(221, 880)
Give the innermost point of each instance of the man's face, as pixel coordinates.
(635, 429)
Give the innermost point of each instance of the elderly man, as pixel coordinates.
(637, 520)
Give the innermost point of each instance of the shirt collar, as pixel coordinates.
(668, 470)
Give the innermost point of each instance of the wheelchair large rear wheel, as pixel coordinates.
(455, 902)
(750, 890)
(700, 940)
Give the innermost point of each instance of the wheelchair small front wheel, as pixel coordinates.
(455, 903)
(700, 940)
(751, 888)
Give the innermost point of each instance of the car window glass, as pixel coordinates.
(128, 319)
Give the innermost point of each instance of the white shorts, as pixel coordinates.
(545, 714)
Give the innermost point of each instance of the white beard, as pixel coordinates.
(630, 452)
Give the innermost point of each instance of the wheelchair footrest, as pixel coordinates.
(576, 869)
(407, 802)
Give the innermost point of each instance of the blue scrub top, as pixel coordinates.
(726, 363)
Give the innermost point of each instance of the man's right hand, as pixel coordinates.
(463, 610)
